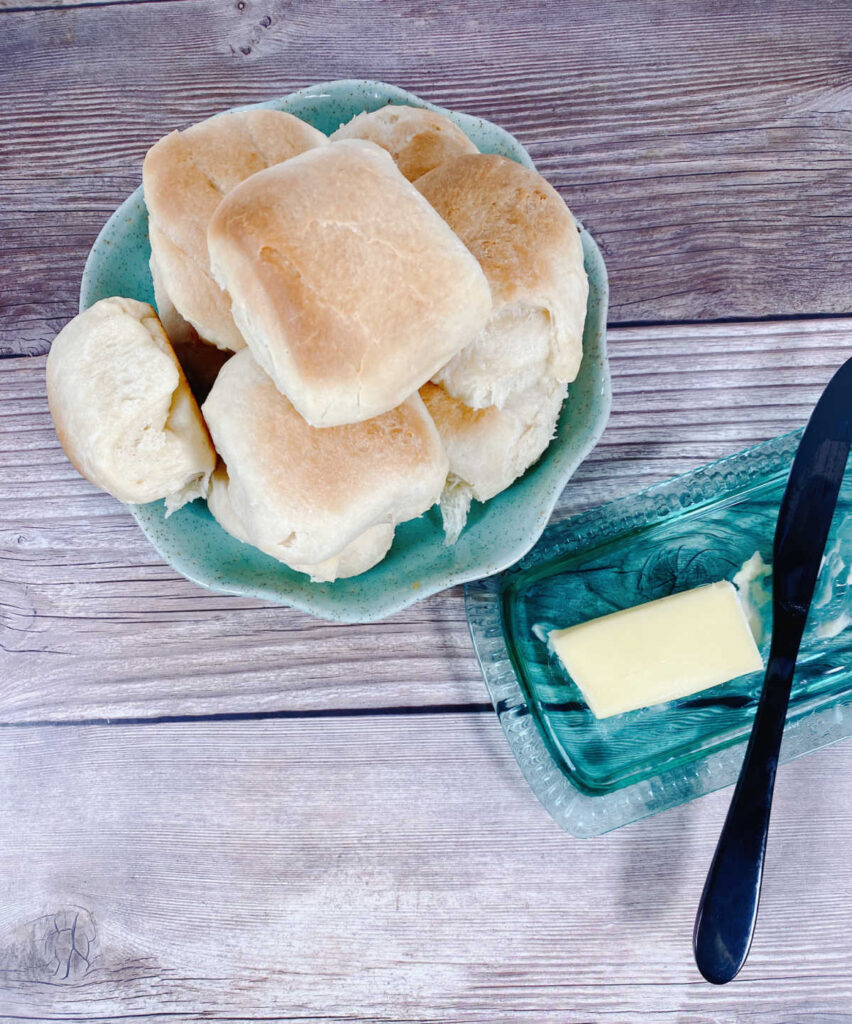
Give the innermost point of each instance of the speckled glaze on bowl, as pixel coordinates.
(498, 532)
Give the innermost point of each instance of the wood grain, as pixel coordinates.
(394, 869)
(347, 864)
(94, 624)
(704, 144)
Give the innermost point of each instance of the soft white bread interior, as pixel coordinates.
(417, 139)
(348, 287)
(122, 407)
(184, 177)
(526, 241)
(358, 556)
(490, 448)
(305, 493)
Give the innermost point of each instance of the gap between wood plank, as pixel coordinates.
(616, 324)
(731, 321)
(260, 716)
(156, 1016)
(34, 8)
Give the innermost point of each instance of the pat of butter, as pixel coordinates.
(659, 651)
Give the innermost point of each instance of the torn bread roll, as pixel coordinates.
(184, 178)
(527, 243)
(348, 287)
(358, 556)
(305, 494)
(417, 139)
(122, 408)
(488, 449)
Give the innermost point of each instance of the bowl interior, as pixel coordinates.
(419, 563)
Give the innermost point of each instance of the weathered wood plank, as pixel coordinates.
(705, 145)
(271, 870)
(93, 624)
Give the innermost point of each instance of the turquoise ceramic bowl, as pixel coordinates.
(497, 533)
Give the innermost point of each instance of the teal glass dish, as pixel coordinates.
(595, 775)
(419, 563)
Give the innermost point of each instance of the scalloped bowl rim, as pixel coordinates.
(322, 600)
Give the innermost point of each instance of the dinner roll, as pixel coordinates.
(184, 177)
(178, 330)
(490, 448)
(305, 494)
(527, 243)
(122, 407)
(417, 139)
(349, 289)
(361, 554)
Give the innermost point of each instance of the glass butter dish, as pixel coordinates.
(593, 774)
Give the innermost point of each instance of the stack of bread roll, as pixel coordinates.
(374, 322)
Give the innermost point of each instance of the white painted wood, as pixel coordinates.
(393, 869)
(93, 624)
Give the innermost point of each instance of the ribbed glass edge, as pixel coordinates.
(578, 813)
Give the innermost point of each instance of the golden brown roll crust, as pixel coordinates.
(417, 139)
(358, 556)
(184, 176)
(305, 492)
(122, 407)
(349, 289)
(527, 243)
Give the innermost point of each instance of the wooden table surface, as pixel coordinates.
(214, 809)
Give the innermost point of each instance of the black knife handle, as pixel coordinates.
(728, 909)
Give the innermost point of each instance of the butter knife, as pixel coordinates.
(727, 912)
